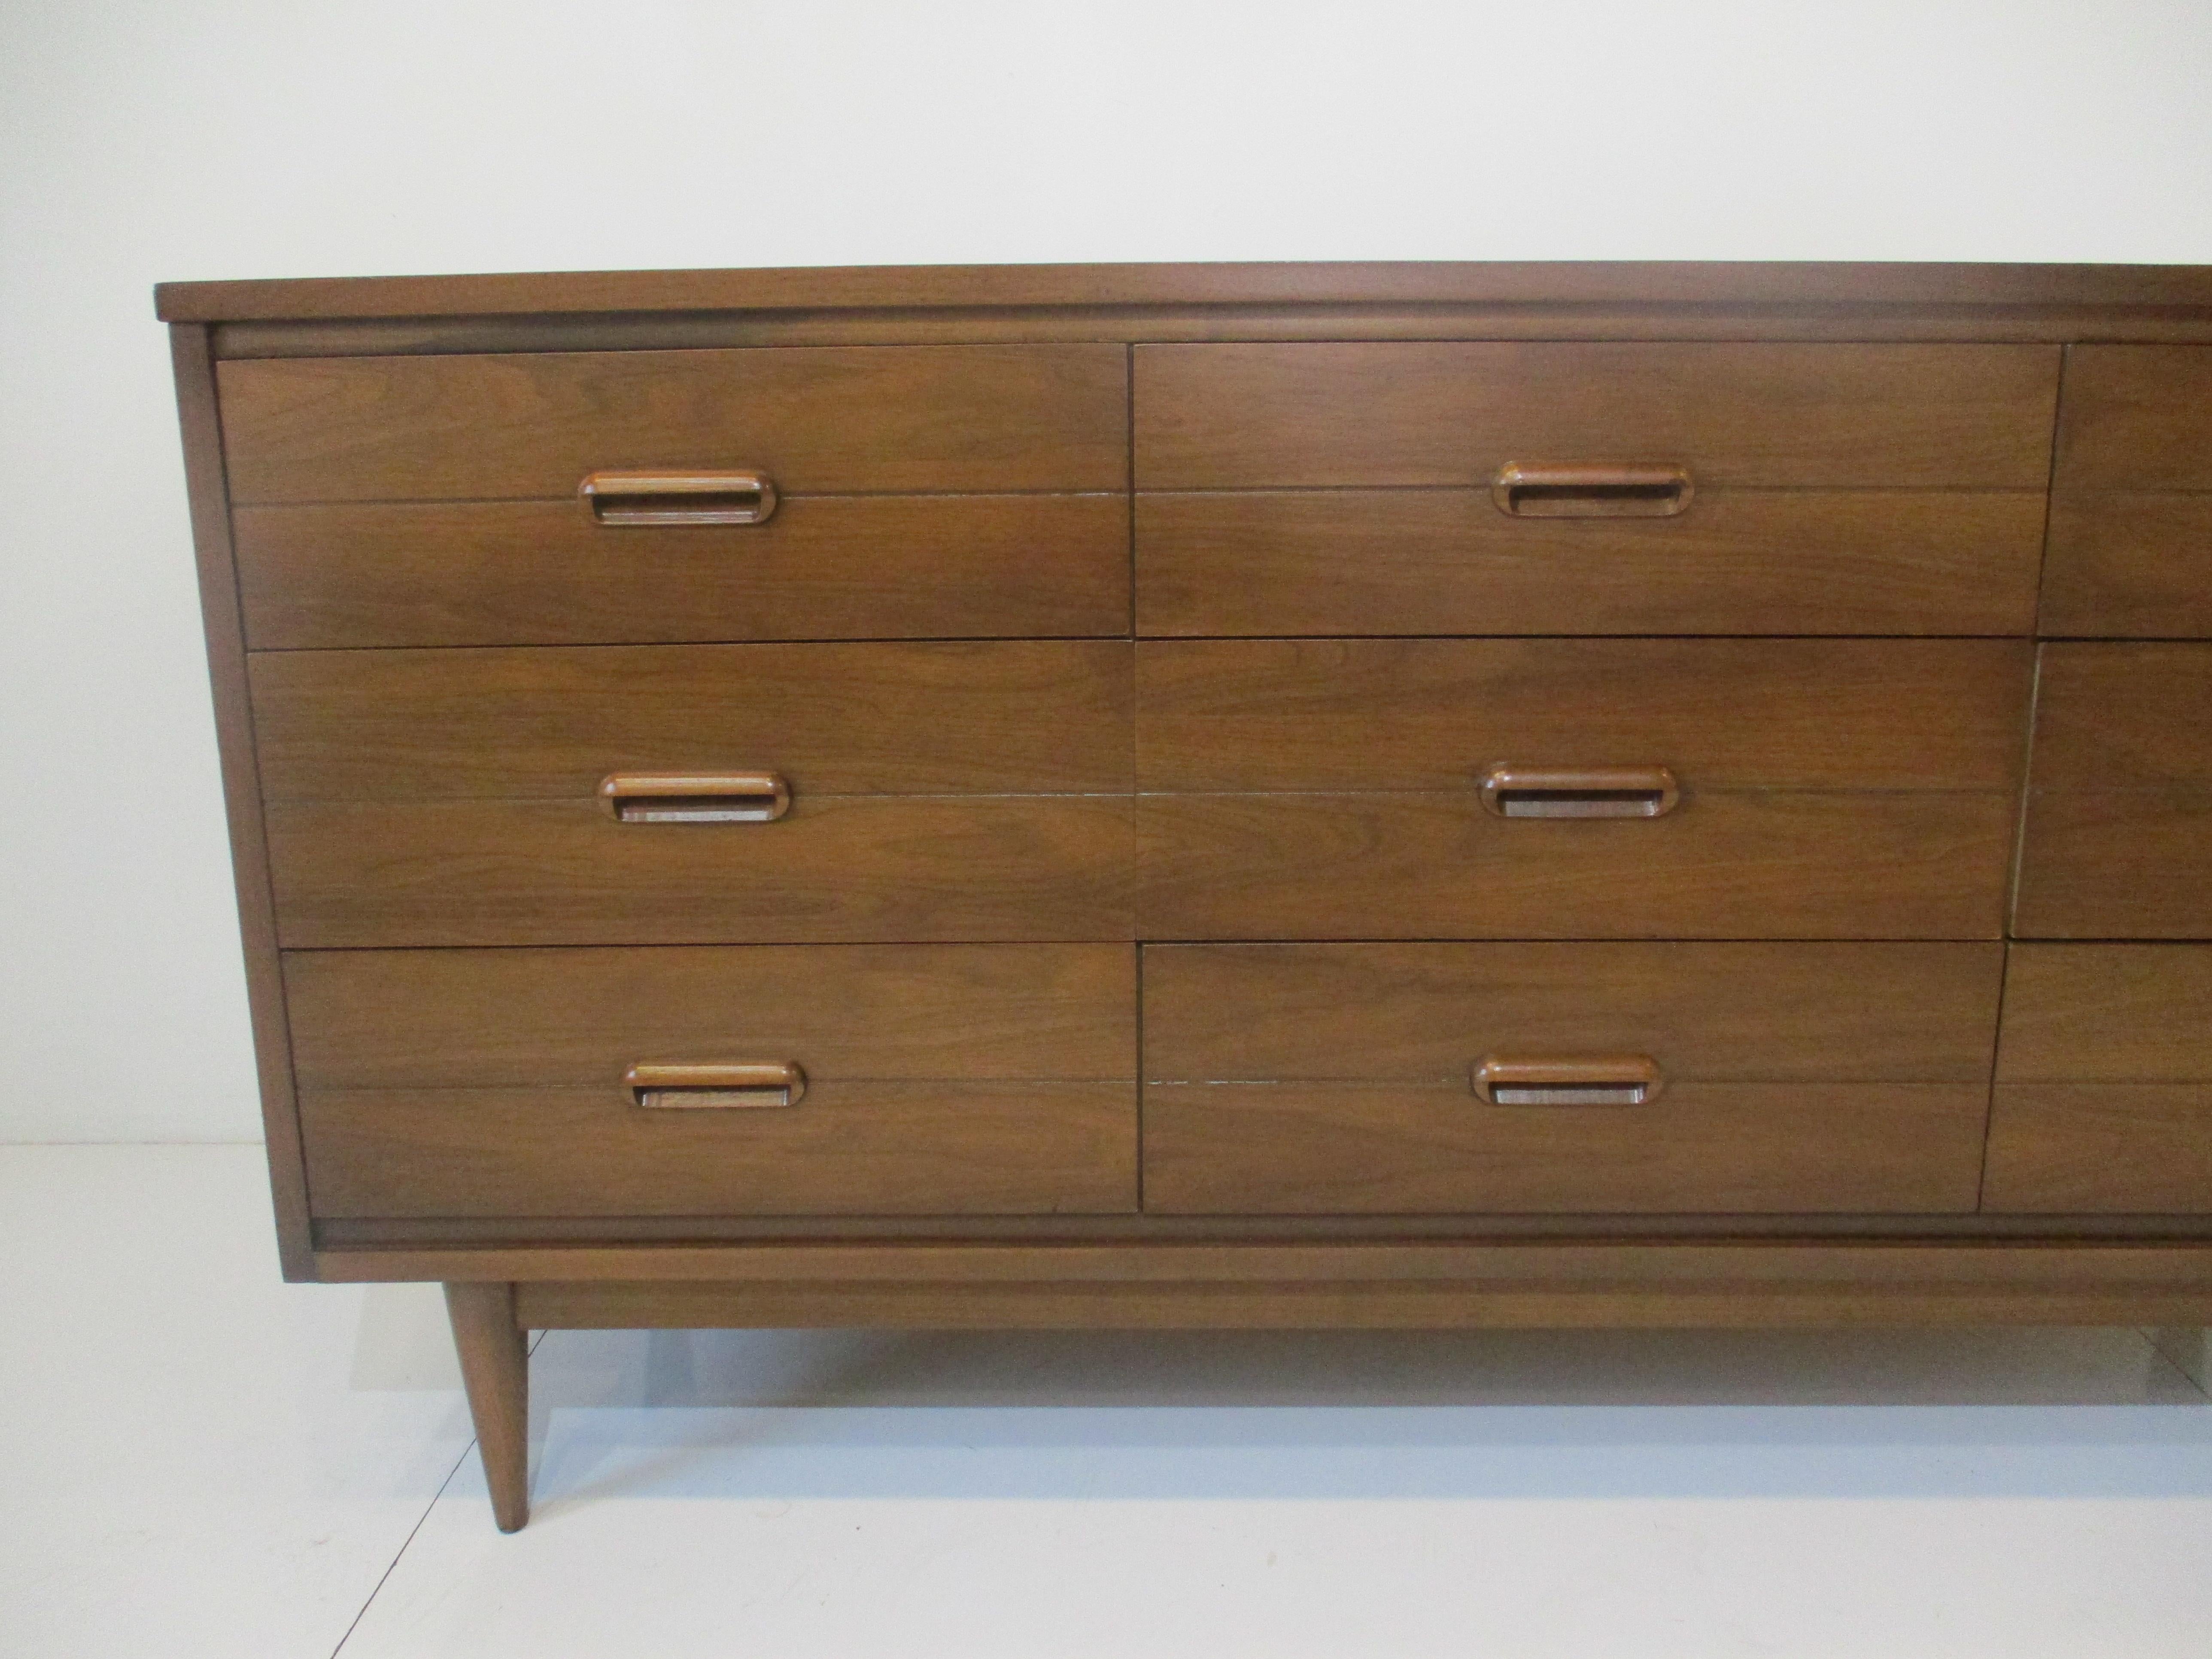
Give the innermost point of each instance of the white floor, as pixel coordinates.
(200, 1460)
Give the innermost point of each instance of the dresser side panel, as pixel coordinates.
(202, 427)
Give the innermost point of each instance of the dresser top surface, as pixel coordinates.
(2172, 292)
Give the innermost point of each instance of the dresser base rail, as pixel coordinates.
(1379, 1286)
(1371, 1305)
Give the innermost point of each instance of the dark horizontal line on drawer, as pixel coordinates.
(1690, 639)
(1139, 940)
(2190, 790)
(399, 799)
(1342, 322)
(1176, 639)
(1460, 1228)
(754, 639)
(2079, 1080)
(278, 506)
(260, 505)
(1607, 636)
(1164, 939)
(1704, 491)
(1456, 1085)
(1691, 790)
(2082, 494)
(334, 1083)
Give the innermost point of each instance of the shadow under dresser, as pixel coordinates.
(1396, 795)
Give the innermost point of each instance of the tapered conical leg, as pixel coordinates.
(496, 1369)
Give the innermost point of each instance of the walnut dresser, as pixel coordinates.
(1362, 795)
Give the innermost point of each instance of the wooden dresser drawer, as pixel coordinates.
(2118, 840)
(919, 492)
(1435, 414)
(2104, 1091)
(1356, 488)
(815, 420)
(2130, 550)
(358, 574)
(1824, 789)
(2128, 564)
(947, 1079)
(937, 792)
(1449, 562)
(1341, 1079)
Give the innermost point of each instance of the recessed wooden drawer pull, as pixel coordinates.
(1619, 1080)
(716, 1087)
(1590, 492)
(697, 798)
(1600, 792)
(650, 498)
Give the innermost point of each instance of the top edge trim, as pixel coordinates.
(879, 287)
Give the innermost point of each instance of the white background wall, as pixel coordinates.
(141, 142)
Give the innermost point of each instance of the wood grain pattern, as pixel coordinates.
(1420, 1013)
(852, 1147)
(2103, 1096)
(1348, 1148)
(202, 433)
(2130, 565)
(2107, 1013)
(2131, 543)
(1318, 414)
(1783, 296)
(2102, 1148)
(477, 1019)
(1447, 562)
(2136, 418)
(2123, 717)
(2134, 865)
(2118, 837)
(1434, 865)
(838, 868)
(820, 420)
(540, 573)
(549, 723)
(1345, 714)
